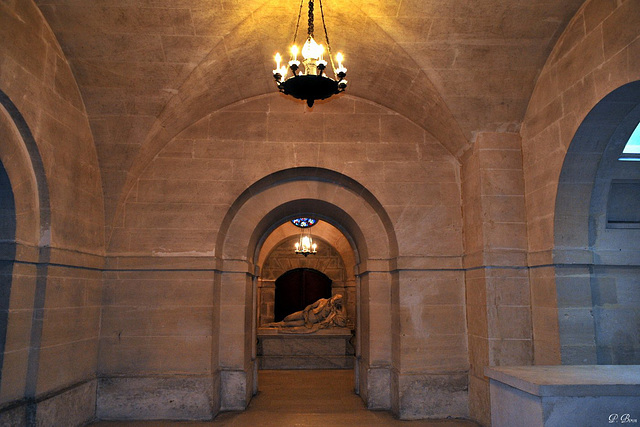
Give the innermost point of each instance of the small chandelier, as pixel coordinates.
(309, 82)
(305, 245)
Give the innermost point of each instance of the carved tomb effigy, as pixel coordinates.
(313, 338)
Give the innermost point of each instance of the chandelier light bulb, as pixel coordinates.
(278, 59)
(294, 52)
(311, 49)
(341, 71)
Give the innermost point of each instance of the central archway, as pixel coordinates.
(259, 210)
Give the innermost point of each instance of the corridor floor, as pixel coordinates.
(304, 399)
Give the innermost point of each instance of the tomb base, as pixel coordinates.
(324, 349)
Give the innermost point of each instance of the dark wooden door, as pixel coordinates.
(298, 288)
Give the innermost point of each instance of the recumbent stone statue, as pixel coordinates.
(322, 314)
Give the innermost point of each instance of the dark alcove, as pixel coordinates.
(298, 288)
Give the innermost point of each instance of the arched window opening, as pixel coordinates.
(597, 220)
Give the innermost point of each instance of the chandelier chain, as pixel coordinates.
(326, 36)
(311, 27)
(295, 34)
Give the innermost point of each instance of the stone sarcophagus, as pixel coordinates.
(324, 349)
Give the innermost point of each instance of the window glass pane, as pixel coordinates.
(631, 151)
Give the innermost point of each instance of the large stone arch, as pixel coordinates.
(53, 167)
(349, 207)
(595, 263)
(23, 255)
(591, 59)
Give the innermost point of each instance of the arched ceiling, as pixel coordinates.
(149, 68)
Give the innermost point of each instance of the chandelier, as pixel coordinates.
(309, 81)
(305, 245)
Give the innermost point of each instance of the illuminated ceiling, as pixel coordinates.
(147, 69)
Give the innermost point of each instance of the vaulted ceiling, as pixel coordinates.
(147, 69)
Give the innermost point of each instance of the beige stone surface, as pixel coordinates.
(162, 48)
(153, 166)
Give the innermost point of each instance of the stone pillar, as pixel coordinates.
(430, 363)
(236, 340)
(351, 305)
(266, 301)
(497, 278)
(375, 336)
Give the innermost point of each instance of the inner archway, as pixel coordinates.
(290, 282)
(335, 259)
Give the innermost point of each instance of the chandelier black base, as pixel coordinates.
(305, 254)
(310, 87)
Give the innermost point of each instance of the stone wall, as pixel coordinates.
(53, 303)
(443, 287)
(173, 216)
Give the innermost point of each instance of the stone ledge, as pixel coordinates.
(559, 396)
(563, 380)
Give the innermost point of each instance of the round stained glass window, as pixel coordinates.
(304, 222)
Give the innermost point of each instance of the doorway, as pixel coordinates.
(298, 288)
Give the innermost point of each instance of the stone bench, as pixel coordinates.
(550, 396)
(324, 349)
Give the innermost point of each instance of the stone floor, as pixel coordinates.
(302, 398)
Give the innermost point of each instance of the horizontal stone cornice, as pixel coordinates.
(29, 254)
(508, 259)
